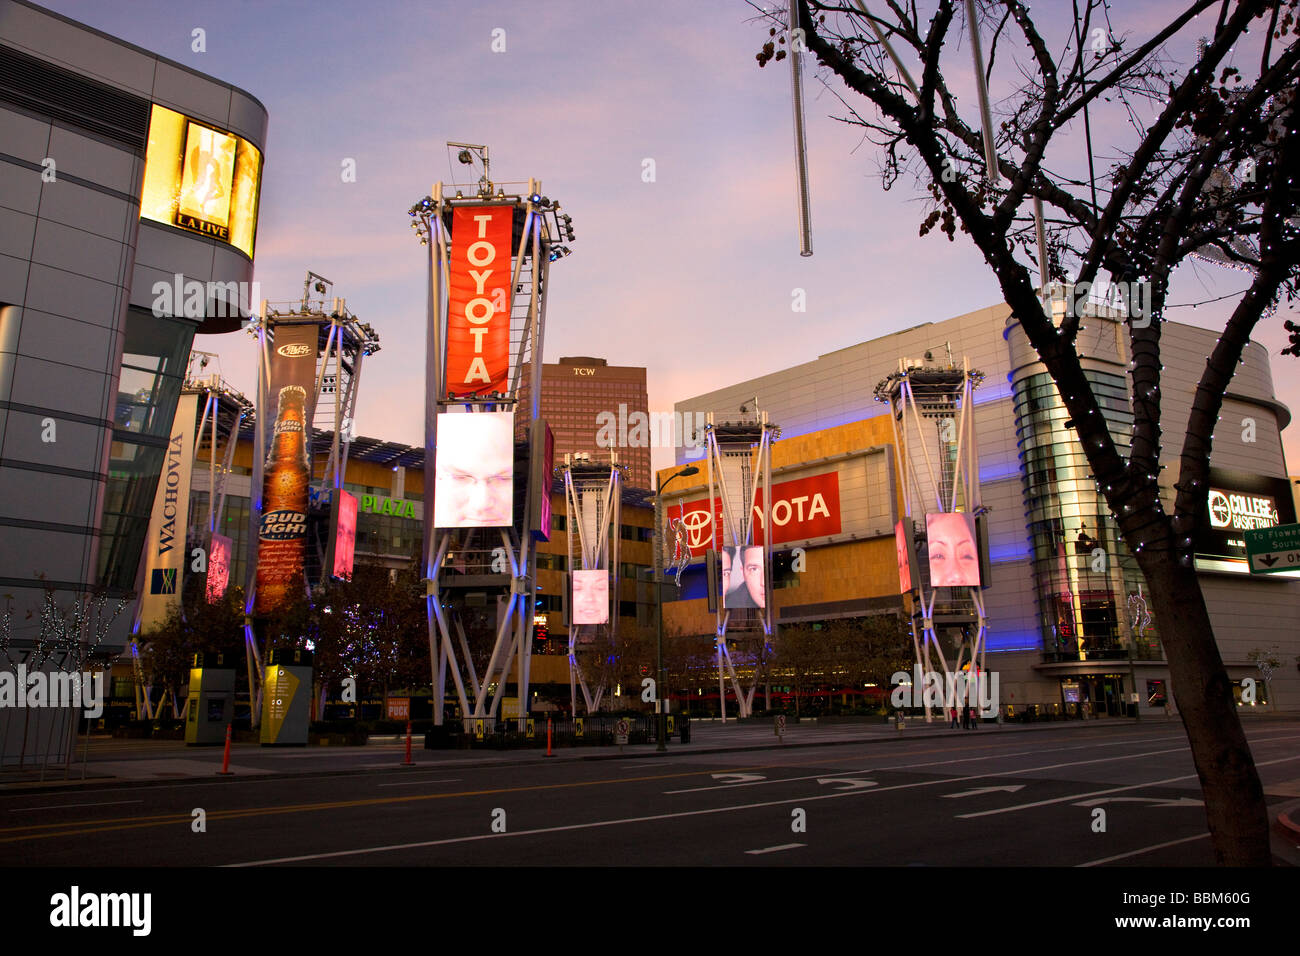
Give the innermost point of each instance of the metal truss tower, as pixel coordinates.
(933, 417)
(342, 342)
(506, 553)
(739, 467)
(593, 499)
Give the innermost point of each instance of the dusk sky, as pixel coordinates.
(691, 275)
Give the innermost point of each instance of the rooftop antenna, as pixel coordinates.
(466, 155)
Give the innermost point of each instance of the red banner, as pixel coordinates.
(802, 508)
(478, 300)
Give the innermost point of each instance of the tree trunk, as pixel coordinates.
(1234, 798)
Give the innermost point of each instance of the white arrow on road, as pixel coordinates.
(853, 784)
(738, 777)
(975, 793)
(1154, 801)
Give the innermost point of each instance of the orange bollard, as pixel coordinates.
(548, 738)
(409, 762)
(225, 760)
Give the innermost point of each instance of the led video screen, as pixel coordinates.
(904, 546)
(590, 597)
(343, 545)
(743, 577)
(474, 470)
(219, 551)
(201, 179)
(953, 554)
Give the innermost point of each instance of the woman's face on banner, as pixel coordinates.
(954, 557)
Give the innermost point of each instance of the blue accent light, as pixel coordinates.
(1014, 641)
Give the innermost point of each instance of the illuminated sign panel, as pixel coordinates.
(1238, 502)
(953, 554)
(474, 470)
(743, 577)
(590, 597)
(201, 179)
(801, 508)
(478, 300)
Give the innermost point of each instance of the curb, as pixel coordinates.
(570, 753)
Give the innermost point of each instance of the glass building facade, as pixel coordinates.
(1089, 589)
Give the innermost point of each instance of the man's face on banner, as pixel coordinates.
(954, 557)
(753, 570)
(474, 467)
(725, 557)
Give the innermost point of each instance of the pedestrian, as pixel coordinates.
(965, 718)
(974, 719)
(953, 722)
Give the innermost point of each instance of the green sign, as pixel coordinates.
(374, 504)
(1272, 550)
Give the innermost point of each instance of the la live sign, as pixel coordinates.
(802, 508)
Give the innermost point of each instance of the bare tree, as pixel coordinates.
(1209, 171)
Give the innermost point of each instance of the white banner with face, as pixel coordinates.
(474, 469)
(953, 554)
(741, 573)
(590, 597)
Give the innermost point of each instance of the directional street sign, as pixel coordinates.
(1270, 550)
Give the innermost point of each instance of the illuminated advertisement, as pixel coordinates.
(282, 535)
(219, 551)
(802, 508)
(590, 597)
(742, 577)
(165, 552)
(343, 534)
(906, 550)
(953, 554)
(201, 179)
(541, 472)
(478, 300)
(474, 470)
(1238, 502)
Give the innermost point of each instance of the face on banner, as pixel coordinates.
(590, 597)
(219, 551)
(474, 470)
(904, 548)
(954, 555)
(478, 300)
(742, 575)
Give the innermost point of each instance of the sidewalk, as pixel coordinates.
(119, 762)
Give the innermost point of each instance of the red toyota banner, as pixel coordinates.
(478, 300)
(802, 508)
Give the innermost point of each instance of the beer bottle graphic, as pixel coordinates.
(282, 537)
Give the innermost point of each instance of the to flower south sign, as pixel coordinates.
(801, 508)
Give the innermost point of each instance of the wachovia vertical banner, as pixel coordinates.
(165, 549)
(282, 535)
(478, 300)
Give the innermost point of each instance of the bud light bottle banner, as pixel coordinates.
(286, 480)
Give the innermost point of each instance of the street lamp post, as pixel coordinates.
(661, 716)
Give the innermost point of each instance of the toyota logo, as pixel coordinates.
(696, 522)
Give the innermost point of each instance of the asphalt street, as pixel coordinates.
(971, 799)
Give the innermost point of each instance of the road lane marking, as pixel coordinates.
(981, 790)
(1098, 793)
(1145, 849)
(774, 849)
(66, 806)
(413, 783)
